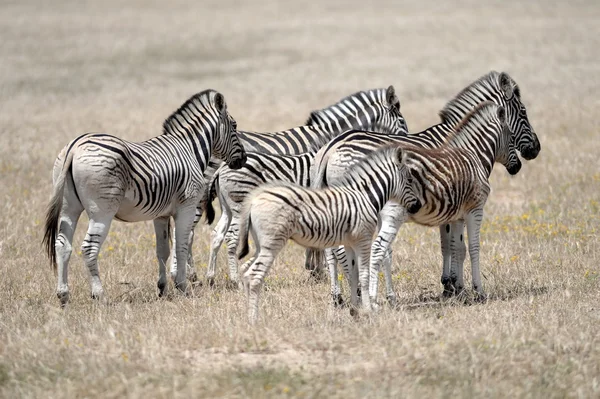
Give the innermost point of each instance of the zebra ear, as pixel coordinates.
(220, 103)
(391, 98)
(501, 114)
(506, 85)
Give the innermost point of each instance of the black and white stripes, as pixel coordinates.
(344, 215)
(152, 180)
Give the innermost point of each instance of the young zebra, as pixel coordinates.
(332, 160)
(453, 182)
(152, 180)
(343, 215)
(232, 186)
(375, 110)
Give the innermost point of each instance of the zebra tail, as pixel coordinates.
(209, 197)
(245, 225)
(53, 213)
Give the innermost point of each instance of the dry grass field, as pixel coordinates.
(68, 68)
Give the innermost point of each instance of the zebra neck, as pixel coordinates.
(482, 147)
(376, 187)
(197, 143)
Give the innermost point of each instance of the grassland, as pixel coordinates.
(67, 68)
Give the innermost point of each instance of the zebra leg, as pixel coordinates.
(161, 231)
(255, 275)
(445, 238)
(458, 252)
(184, 221)
(98, 228)
(218, 236)
(232, 238)
(190, 270)
(473, 220)
(363, 255)
(336, 293)
(387, 267)
(69, 216)
(392, 216)
(347, 256)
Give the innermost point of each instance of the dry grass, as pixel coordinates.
(69, 69)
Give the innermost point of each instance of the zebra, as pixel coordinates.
(233, 186)
(453, 185)
(375, 109)
(321, 218)
(332, 159)
(111, 178)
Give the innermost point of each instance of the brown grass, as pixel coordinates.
(67, 69)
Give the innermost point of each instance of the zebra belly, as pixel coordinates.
(314, 242)
(130, 211)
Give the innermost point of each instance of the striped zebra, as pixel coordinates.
(331, 161)
(374, 110)
(343, 215)
(111, 178)
(453, 185)
(233, 186)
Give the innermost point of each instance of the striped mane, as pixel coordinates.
(472, 123)
(374, 95)
(179, 119)
(489, 83)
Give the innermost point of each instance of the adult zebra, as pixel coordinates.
(452, 181)
(332, 160)
(374, 110)
(152, 180)
(346, 215)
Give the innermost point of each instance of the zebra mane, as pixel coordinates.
(205, 97)
(488, 81)
(476, 118)
(379, 94)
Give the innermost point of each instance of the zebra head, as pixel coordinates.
(375, 110)
(506, 153)
(404, 189)
(226, 143)
(526, 140)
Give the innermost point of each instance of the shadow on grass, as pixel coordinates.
(468, 298)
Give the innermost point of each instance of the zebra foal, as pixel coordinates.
(111, 178)
(343, 215)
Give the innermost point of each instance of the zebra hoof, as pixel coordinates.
(210, 281)
(392, 300)
(162, 288)
(63, 297)
(182, 286)
(97, 295)
(374, 306)
(192, 277)
(230, 284)
(338, 301)
(481, 297)
(354, 312)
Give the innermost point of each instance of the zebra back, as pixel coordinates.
(375, 110)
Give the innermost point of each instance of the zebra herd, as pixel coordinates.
(351, 173)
